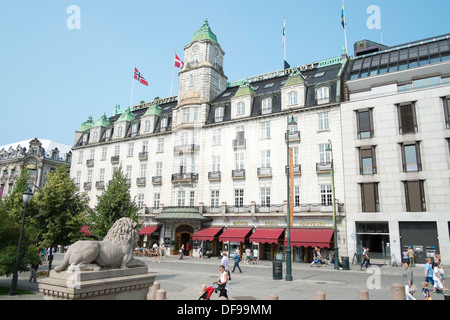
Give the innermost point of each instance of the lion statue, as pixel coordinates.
(115, 251)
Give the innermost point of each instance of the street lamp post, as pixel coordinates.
(290, 124)
(336, 252)
(26, 199)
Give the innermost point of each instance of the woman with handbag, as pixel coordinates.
(223, 285)
(410, 288)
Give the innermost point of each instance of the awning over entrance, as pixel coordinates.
(180, 214)
(235, 234)
(310, 237)
(148, 230)
(267, 235)
(206, 234)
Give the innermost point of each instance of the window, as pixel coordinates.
(185, 115)
(145, 146)
(128, 172)
(102, 175)
(181, 198)
(134, 129)
(323, 121)
(239, 161)
(140, 201)
(295, 153)
(296, 196)
(265, 197)
(92, 154)
(265, 130)
(323, 95)
(80, 157)
(143, 170)
(119, 131)
(156, 200)
(147, 125)
(130, 149)
(326, 195)
(266, 105)
(163, 124)
(196, 113)
(214, 198)
(217, 137)
(447, 112)
(191, 79)
(367, 164)
(184, 138)
(160, 145)
(427, 82)
(108, 135)
(89, 176)
(411, 157)
(407, 118)
(265, 159)
(369, 197)
(95, 136)
(415, 196)
(116, 151)
(269, 85)
(239, 198)
(215, 164)
(78, 178)
(292, 98)
(240, 108)
(324, 155)
(364, 122)
(104, 149)
(218, 114)
(158, 172)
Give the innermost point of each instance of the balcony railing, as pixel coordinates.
(186, 148)
(214, 176)
(239, 143)
(297, 169)
(157, 180)
(141, 181)
(143, 155)
(100, 184)
(238, 174)
(90, 162)
(115, 159)
(87, 185)
(323, 167)
(264, 172)
(184, 177)
(293, 136)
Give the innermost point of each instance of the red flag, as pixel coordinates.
(138, 76)
(178, 62)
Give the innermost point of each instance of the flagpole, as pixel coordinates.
(345, 26)
(132, 87)
(171, 83)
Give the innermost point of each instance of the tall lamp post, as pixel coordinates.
(291, 123)
(26, 197)
(336, 252)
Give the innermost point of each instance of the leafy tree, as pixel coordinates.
(114, 203)
(63, 211)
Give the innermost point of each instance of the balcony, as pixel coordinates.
(293, 136)
(141, 181)
(297, 169)
(143, 155)
(157, 180)
(87, 185)
(100, 184)
(239, 143)
(264, 172)
(214, 176)
(186, 148)
(323, 167)
(184, 177)
(238, 174)
(115, 159)
(90, 163)
(128, 182)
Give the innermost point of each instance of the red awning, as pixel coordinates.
(206, 234)
(269, 235)
(148, 230)
(235, 234)
(310, 237)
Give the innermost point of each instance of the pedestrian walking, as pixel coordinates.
(33, 268)
(363, 256)
(200, 252)
(224, 262)
(411, 256)
(316, 256)
(441, 271)
(367, 258)
(429, 272)
(405, 256)
(248, 254)
(410, 288)
(181, 252)
(438, 287)
(223, 283)
(236, 258)
(162, 250)
(255, 255)
(425, 291)
(156, 252)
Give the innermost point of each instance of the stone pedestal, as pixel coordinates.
(110, 284)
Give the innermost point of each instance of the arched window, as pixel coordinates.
(292, 98)
(322, 95)
(266, 105)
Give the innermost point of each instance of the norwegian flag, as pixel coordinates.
(138, 76)
(178, 62)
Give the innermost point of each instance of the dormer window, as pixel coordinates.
(119, 131)
(240, 108)
(134, 130)
(163, 124)
(218, 114)
(292, 98)
(95, 136)
(266, 106)
(323, 95)
(108, 135)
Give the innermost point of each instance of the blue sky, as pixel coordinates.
(53, 78)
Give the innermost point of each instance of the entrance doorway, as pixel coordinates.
(183, 236)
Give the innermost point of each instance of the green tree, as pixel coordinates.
(114, 203)
(63, 210)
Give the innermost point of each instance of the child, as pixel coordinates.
(425, 291)
(438, 286)
(206, 292)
